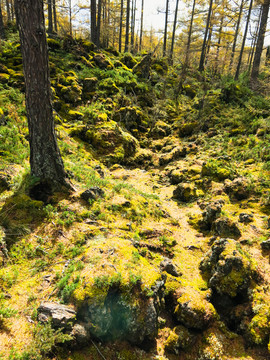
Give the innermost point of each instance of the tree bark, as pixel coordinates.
(2, 28)
(174, 29)
(132, 35)
(260, 41)
(243, 42)
(50, 19)
(93, 9)
(203, 52)
(254, 41)
(236, 33)
(98, 23)
(121, 25)
(127, 26)
(54, 16)
(8, 11)
(141, 29)
(165, 28)
(45, 159)
(186, 63)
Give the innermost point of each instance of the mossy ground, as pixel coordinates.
(73, 251)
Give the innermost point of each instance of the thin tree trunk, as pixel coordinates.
(166, 28)
(8, 11)
(186, 63)
(236, 34)
(174, 29)
(93, 9)
(219, 40)
(54, 16)
(203, 52)
(99, 22)
(260, 41)
(12, 10)
(243, 42)
(133, 16)
(50, 19)
(2, 28)
(141, 30)
(254, 41)
(45, 159)
(121, 25)
(127, 26)
(70, 17)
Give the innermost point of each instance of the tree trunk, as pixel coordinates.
(166, 28)
(174, 29)
(50, 19)
(98, 22)
(141, 30)
(121, 25)
(219, 40)
(54, 16)
(70, 17)
(93, 9)
(45, 159)
(260, 41)
(8, 11)
(127, 26)
(254, 41)
(236, 33)
(243, 42)
(203, 52)
(133, 17)
(186, 63)
(2, 28)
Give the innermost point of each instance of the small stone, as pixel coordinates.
(265, 245)
(92, 193)
(245, 218)
(168, 266)
(80, 334)
(225, 227)
(61, 316)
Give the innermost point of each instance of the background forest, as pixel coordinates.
(157, 243)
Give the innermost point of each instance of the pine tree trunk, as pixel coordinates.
(141, 30)
(174, 29)
(236, 33)
(203, 52)
(254, 41)
(260, 41)
(50, 19)
(8, 11)
(166, 28)
(98, 22)
(243, 41)
(121, 25)
(132, 35)
(45, 159)
(54, 16)
(2, 28)
(186, 63)
(70, 17)
(127, 26)
(93, 9)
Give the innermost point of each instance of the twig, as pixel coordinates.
(98, 350)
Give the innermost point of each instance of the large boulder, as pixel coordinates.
(120, 319)
(227, 268)
(238, 189)
(185, 192)
(193, 310)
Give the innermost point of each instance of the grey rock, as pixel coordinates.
(61, 316)
(92, 193)
(245, 218)
(225, 227)
(238, 188)
(265, 245)
(80, 334)
(168, 266)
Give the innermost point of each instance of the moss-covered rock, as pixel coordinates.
(225, 227)
(128, 60)
(142, 68)
(54, 44)
(133, 118)
(217, 170)
(192, 309)
(102, 62)
(160, 130)
(179, 338)
(187, 129)
(186, 192)
(227, 268)
(89, 85)
(239, 188)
